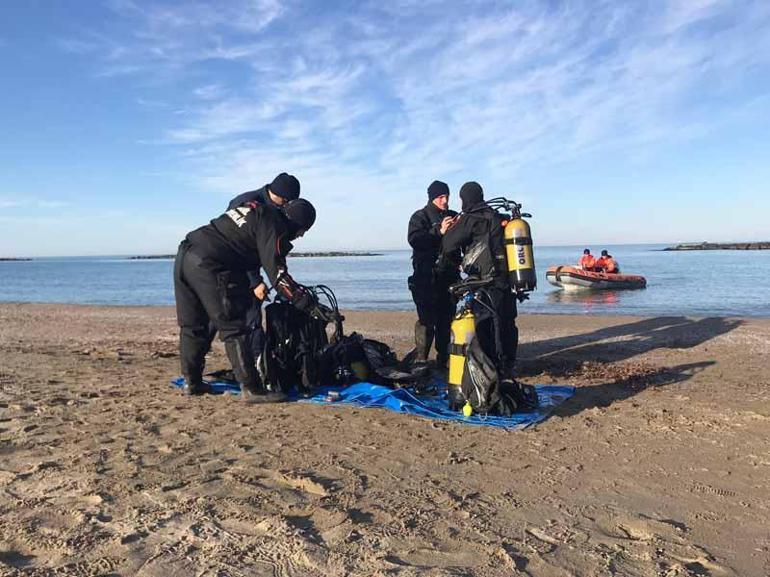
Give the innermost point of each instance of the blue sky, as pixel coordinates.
(126, 123)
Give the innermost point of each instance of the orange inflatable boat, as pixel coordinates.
(574, 278)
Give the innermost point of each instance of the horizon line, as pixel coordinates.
(401, 249)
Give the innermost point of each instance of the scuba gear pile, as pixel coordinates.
(474, 378)
(462, 332)
(354, 358)
(295, 339)
(343, 362)
(299, 353)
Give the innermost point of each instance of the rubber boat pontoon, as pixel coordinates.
(574, 278)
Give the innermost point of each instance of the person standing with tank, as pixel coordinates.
(429, 282)
(480, 227)
(212, 287)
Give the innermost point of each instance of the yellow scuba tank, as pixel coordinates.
(359, 370)
(519, 254)
(462, 331)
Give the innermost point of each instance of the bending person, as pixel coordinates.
(211, 285)
(480, 227)
(284, 188)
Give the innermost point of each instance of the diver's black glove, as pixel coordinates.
(521, 296)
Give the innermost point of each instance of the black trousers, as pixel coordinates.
(211, 298)
(254, 322)
(497, 333)
(256, 334)
(435, 307)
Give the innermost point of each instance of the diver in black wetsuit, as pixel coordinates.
(211, 286)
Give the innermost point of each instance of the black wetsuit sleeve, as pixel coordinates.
(456, 237)
(272, 254)
(255, 278)
(241, 199)
(269, 235)
(422, 235)
(454, 242)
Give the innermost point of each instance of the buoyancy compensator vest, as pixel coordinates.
(293, 344)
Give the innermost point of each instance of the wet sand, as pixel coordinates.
(659, 466)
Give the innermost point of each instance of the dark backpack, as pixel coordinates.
(486, 393)
(353, 358)
(386, 369)
(294, 342)
(343, 362)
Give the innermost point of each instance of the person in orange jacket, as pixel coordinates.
(587, 261)
(605, 263)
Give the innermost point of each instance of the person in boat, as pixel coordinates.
(587, 261)
(606, 263)
(429, 284)
(478, 224)
(284, 188)
(211, 286)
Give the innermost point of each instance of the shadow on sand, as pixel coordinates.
(621, 342)
(566, 356)
(604, 394)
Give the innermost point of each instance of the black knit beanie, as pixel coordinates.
(436, 189)
(471, 194)
(301, 214)
(286, 186)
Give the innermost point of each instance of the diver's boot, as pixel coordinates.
(423, 338)
(195, 387)
(252, 388)
(194, 342)
(258, 394)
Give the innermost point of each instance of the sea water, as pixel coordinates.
(693, 283)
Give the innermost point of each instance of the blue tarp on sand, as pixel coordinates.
(404, 401)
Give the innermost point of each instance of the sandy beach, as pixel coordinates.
(659, 466)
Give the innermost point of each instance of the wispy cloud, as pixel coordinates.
(22, 202)
(387, 95)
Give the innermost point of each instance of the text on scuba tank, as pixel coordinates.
(238, 215)
(520, 254)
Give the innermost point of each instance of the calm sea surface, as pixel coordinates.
(699, 283)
